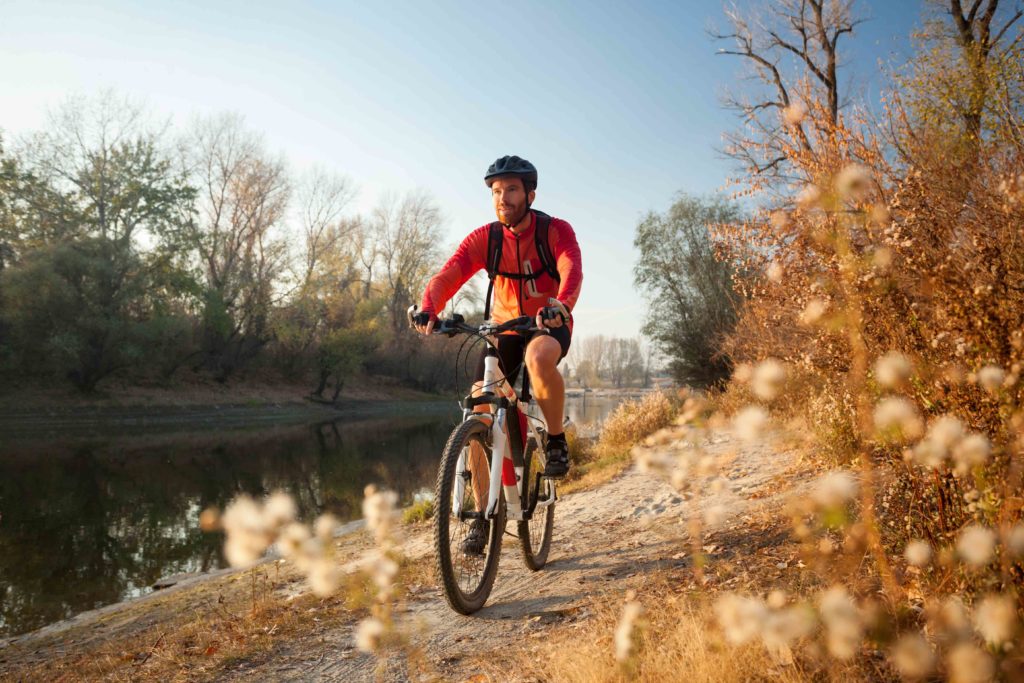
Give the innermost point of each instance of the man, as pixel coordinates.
(522, 286)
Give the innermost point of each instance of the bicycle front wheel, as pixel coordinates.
(535, 533)
(467, 576)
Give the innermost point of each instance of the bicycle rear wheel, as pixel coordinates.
(535, 533)
(466, 578)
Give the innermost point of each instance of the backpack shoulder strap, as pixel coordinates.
(547, 260)
(494, 241)
(495, 238)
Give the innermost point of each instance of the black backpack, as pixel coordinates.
(495, 239)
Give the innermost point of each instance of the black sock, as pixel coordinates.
(557, 437)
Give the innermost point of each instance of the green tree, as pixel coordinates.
(692, 304)
(98, 214)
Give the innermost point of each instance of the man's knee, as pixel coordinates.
(543, 353)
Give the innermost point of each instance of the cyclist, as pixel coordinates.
(531, 276)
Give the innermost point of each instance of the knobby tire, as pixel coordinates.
(465, 594)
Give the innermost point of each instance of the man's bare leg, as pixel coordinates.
(547, 386)
(478, 464)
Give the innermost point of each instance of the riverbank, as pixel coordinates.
(32, 412)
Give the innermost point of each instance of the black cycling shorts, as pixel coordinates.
(512, 351)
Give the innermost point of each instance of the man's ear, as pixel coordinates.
(531, 195)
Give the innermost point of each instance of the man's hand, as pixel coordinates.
(424, 322)
(555, 314)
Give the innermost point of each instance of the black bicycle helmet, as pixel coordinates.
(513, 165)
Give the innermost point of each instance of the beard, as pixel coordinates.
(513, 214)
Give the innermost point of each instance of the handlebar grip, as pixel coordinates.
(560, 306)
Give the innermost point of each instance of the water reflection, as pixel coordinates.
(86, 522)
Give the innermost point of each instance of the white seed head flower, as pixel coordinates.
(808, 196)
(209, 519)
(782, 627)
(293, 539)
(750, 422)
(971, 451)
(780, 220)
(953, 618)
(976, 545)
(813, 312)
(918, 553)
(324, 577)
(942, 436)
(775, 272)
(1015, 542)
(995, 618)
(893, 369)
(928, 454)
(843, 622)
(853, 181)
(768, 379)
(912, 656)
(279, 509)
(991, 378)
(880, 215)
(715, 515)
(897, 419)
(777, 599)
(383, 570)
(680, 477)
(243, 515)
(835, 489)
(969, 664)
(742, 373)
(946, 431)
(246, 533)
(242, 550)
(881, 259)
(324, 526)
(631, 611)
(369, 633)
(378, 507)
(740, 618)
(794, 114)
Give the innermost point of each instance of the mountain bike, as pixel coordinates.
(513, 439)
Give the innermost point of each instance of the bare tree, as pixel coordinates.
(985, 35)
(322, 200)
(243, 198)
(793, 49)
(408, 235)
(593, 353)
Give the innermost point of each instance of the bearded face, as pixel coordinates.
(511, 201)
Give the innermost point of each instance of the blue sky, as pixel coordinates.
(618, 104)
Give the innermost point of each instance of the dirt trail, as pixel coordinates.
(604, 543)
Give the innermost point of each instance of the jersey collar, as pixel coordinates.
(529, 229)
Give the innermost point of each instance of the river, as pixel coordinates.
(87, 520)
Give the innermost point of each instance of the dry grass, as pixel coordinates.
(675, 639)
(597, 461)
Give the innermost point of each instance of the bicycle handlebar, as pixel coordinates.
(456, 324)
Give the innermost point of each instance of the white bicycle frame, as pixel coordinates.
(494, 382)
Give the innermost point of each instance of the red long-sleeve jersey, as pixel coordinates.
(513, 298)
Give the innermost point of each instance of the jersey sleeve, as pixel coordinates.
(568, 262)
(470, 257)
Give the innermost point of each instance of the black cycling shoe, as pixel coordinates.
(557, 465)
(477, 538)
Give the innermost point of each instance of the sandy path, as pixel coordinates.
(604, 542)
